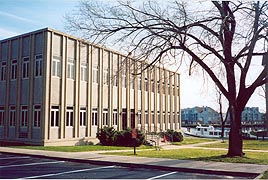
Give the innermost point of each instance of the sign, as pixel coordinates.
(134, 133)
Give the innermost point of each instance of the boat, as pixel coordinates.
(205, 132)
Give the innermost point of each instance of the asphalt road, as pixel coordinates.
(27, 167)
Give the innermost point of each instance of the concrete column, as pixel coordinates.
(63, 87)
(77, 90)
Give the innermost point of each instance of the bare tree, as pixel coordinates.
(229, 35)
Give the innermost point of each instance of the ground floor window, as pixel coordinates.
(94, 117)
(37, 116)
(2, 116)
(24, 116)
(12, 116)
(115, 119)
(69, 117)
(105, 117)
(55, 116)
(83, 116)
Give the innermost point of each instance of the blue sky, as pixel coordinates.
(22, 16)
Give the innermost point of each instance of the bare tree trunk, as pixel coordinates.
(235, 135)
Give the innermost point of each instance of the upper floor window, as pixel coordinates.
(14, 65)
(38, 65)
(146, 84)
(83, 72)
(115, 78)
(25, 67)
(106, 76)
(37, 116)
(71, 69)
(56, 66)
(95, 72)
(139, 82)
(3, 71)
(152, 86)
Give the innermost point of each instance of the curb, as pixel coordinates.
(148, 166)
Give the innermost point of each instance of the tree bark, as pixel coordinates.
(235, 135)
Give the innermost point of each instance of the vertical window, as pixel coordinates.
(95, 74)
(55, 116)
(158, 87)
(38, 65)
(3, 71)
(124, 79)
(25, 67)
(115, 78)
(71, 69)
(139, 117)
(146, 117)
(24, 116)
(69, 117)
(164, 117)
(37, 116)
(168, 89)
(2, 116)
(105, 76)
(152, 86)
(56, 66)
(152, 115)
(105, 117)
(146, 84)
(12, 116)
(83, 117)
(139, 82)
(83, 75)
(94, 117)
(115, 119)
(158, 117)
(14, 69)
(132, 81)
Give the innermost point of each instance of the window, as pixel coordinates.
(14, 69)
(158, 117)
(56, 66)
(158, 87)
(146, 84)
(146, 117)
(105, 76)
(95, 74)
(2, 116)
(115, 78)
(24, 116)
(12, 116)
(71, 69)
(105, 117)
(152, 86)
(115, 119)
(55, 116)
(83, 117)
(152, 115)
(124, 79)
(3, 71)
(139, 82)
(132, 81)
(37, 116)
(139, 117)
(38, 65)
(83, 75)
(94, 117)
(69, 117)
(25, 67)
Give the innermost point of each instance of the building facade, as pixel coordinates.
(203, 115)
(57, 89)
(251, 115)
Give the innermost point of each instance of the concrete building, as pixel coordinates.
(57, 89)
(203, 115)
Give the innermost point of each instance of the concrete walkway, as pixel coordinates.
(232, 169)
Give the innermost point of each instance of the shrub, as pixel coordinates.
(171, 135)
(106, 136)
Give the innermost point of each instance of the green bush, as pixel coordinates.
(109, 137)
(173, 136)
(106, 136)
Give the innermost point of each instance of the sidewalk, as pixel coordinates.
(232, 169)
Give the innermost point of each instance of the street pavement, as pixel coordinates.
(219, 168)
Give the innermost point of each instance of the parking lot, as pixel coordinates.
(27, 167)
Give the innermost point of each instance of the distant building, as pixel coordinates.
(251, 115)
(203, 115)
(56, 89)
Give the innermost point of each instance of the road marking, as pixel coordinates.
(31, 164)
(161, 175)
(67, 172)
(23, 157)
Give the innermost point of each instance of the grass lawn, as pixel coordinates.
(193, 140)
(247, 144)
(80, 148)
(201, 155)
